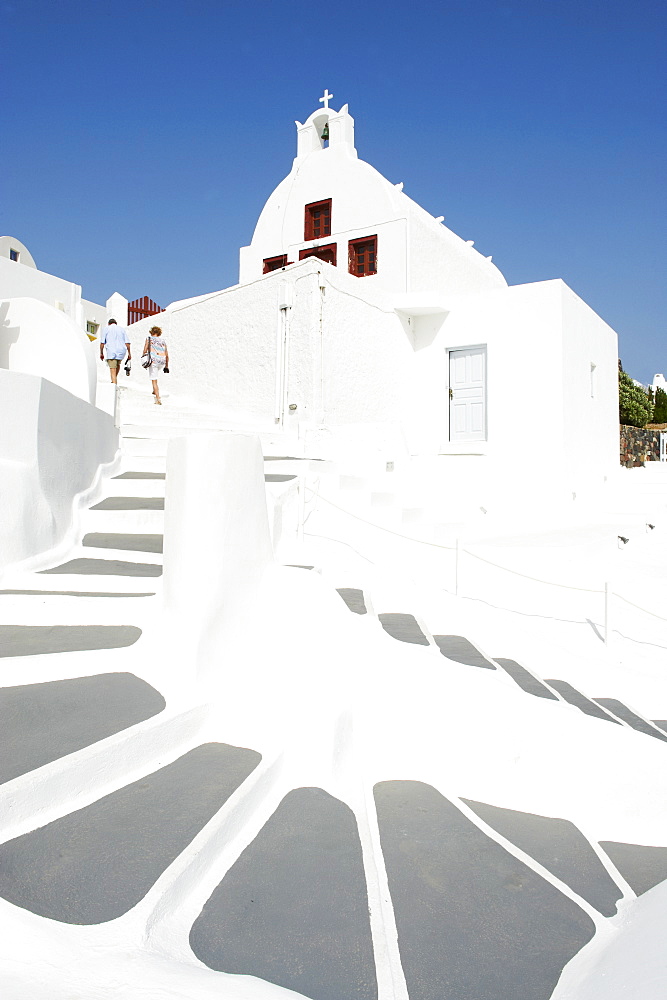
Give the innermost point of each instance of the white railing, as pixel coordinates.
(608, 591)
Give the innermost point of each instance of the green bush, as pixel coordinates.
(660, 409)
(635, 407)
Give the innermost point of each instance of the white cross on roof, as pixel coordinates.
(327, 97)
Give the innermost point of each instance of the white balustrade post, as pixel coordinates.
(302, 507)
(456, 566)
(607, 596)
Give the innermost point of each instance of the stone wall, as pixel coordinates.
(639, 445)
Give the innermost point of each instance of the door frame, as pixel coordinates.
(468, 347)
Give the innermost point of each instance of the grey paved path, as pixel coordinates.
(580, 701)
(641, 867)
(293, 909)
(275, 477)
(26, 640)
(116, 540)
(106, 567)
(141, 475)
(98, 862)
(559, 847)
(661, 724)
(43, 722)
(525, 679)
(474, 923)
(403, 627)
(622, 711)
(354, 599)
(455, 647)
(75, 593)
(130, 503)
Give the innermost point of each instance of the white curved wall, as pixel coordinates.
(8, 243)
(54, 454)
(39, 340)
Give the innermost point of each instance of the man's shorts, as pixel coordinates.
(113, 362)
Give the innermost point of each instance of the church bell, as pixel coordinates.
(325, 131)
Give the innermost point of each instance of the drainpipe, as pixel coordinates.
(285, 298)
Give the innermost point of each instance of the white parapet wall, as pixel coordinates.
(50, 464)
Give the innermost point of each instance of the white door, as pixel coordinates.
(467, 394)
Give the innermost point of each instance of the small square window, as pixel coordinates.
(327, 253)
(15, 255)
(274, 263)
(363, 256)
(318, 220)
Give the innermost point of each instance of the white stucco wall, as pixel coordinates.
(414, 251)
(19, 281)
(542, 422)
(347, 359)
(222, 351)
(376, 378)
(439, 260)
(24, 280)
(92, 312)
(49, 463)
(116, 308)
(37, 339)
(590, 391)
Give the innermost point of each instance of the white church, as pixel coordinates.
(275, 726)
(361, 322)
(360, 318)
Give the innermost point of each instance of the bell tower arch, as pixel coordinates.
(325, 128)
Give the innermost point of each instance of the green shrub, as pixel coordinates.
(660, 409)
(635, 407)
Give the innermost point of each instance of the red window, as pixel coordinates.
(318, 220)
(363, 258)
(274, 263)
(327, 253)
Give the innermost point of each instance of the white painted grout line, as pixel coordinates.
(598, 919)
(70, 783)
(628, 893)
(389, 970)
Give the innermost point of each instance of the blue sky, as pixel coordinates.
(141, 139)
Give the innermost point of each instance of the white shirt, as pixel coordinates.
(115, 338)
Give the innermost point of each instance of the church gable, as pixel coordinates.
(341, 210)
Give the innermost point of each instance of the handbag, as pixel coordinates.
(148, 362)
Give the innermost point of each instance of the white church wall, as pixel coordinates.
(50, 464)
(590, 391)
(413, 250)
(439, 260)
(363, 202)
(38, 339)
(365, 356)
(543, 425)
(222, 350)
(521, 330)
